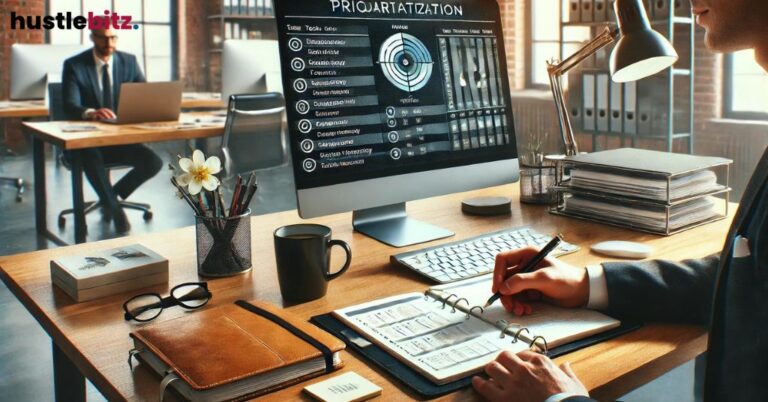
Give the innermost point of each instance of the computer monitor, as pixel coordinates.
(32, 64)
(250, 67)
(391, 101)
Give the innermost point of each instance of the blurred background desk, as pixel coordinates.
(202, 125)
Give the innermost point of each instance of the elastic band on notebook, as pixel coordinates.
(327, 354)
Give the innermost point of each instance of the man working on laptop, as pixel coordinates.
(727, 292)
(91, 88)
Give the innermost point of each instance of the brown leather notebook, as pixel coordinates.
(236, 351)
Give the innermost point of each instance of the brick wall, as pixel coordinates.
(9, 37)
(194, 42)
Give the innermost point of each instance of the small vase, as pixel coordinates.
(223, 245)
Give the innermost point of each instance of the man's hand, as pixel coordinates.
(554, 282)
(101, 114)
(526, 377)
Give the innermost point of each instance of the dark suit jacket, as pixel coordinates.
(80, 81)
(730, 295)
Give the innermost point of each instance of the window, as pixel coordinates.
(746, 86)
(545, 40)
(153, 44)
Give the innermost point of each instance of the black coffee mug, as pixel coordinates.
(303, 254)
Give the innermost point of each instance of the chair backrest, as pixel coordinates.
(56, 102)
(254, 133)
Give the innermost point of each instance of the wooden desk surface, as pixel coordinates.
(204, 125)
(95, 336)
(27, 109)
(22, 109)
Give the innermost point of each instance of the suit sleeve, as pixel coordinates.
(138, 75)
(662, 290)
(73, 100)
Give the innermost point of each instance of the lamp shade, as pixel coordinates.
(640, 52)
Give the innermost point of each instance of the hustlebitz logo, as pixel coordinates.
(109, 20)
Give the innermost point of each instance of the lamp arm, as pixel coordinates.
(557, 69)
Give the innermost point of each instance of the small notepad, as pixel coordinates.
(349, 387)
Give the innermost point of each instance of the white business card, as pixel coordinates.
(348, 387)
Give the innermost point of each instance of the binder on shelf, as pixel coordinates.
(587, 12)
(228, 6)
(630, 108)
(575, 96)
(616, 117)
(645, 89)
(601, 10)
(602, 93)
(252, 7)
(612, 11)
(574, 11)
(601, 57)
(660, 9)
(589, 102)
(683, 8)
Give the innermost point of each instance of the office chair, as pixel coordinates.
(253, 134)
(16, 182)
(56, 113)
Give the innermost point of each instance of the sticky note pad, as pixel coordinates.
(349, 387)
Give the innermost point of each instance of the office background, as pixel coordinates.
(731, 120)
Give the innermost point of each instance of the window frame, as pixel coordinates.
(561, 44)
(172, 24)
(728, 111)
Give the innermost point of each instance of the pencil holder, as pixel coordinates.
(223, 245)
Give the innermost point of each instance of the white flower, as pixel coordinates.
(199, 173)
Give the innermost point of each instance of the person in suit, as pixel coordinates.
(726, 292)
(91, 89)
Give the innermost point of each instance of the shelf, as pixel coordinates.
(259, 18)
(675, 20)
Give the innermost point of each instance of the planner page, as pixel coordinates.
(557, 325)
(442, 343)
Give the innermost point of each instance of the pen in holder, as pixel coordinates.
(223, 245)
(223, 229)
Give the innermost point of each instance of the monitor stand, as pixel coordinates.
(391, 225)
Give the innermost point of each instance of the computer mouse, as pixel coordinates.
(623, 249)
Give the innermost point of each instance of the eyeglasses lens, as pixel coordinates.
(145, 307)
(191, 296)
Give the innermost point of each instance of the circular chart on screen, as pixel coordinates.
(406, 62)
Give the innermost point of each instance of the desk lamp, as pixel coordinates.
(639, 53)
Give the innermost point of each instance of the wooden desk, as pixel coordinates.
(22, 109)
(93, 337)
(29, 109)
(104, 135)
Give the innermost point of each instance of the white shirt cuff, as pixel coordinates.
(598, 289)
(559, 397)
(87, 112)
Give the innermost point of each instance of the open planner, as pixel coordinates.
(445, 334)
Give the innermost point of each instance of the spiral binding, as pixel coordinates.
(504, 326)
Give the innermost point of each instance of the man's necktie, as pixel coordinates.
(106, 85)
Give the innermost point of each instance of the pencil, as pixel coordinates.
(531, 264)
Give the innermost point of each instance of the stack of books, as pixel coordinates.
(650, 191)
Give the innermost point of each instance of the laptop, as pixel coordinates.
(148, 102)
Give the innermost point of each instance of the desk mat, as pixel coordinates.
(419, 383)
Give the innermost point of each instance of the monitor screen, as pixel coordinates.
(382, 88)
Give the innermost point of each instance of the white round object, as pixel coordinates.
(623, 249)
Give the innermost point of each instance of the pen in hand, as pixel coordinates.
(531, 265)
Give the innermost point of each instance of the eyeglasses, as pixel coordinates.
(146, 307)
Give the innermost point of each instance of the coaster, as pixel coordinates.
(487, 206)
(349, 387)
